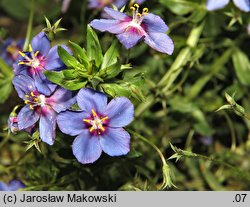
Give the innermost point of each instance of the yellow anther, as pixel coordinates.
(32, 94)
(145, 10)
(27, 96)
(132, 8)
(30, 48)
(21, 63)
(87, 120)
(94, 113)
(31, 107)
(139, 15)
(102, 128)
(26, 101)
(21, 53)
(104, 118)
(91, 129)
(136, 5)
(36, 53)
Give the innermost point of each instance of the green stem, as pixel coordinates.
(29, 28)
(232, 131)
(167, 180)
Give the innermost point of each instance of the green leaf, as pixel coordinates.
(115, 90)
(80, 54)
(6, 89)
(68, 79)
(242, 67)
(67, 58)
(179, 8)
(110, 57)
(111, 71)
(94, 50)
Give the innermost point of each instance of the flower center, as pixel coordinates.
(31, 59)
(96, 123)
(35, 99)
(137, 16)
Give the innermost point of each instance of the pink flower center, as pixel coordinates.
(34, 60)
(97, 123)
(34, 99)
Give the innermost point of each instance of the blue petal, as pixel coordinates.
(15, 185)
(243, 5)
(26, 118)
(3, 186)
(71, 122)
(43, 85)
(120, 112)
(109, 25)
(89, 99)
(129, 39)
(53, 61)
(47, 127)
(41, 43)
(116, 14)
(23, 85)
(216, 4)
(154, 23)
(115, 142)
(160, 42)
(86, 148)
(61, 99)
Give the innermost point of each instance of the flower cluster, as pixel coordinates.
(243, 5)
(98, 125)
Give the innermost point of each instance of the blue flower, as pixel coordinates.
(40, 107)
(98, 125)
(39, 58)
(243, 5)
(10, 50)
(129, 30)
(12, 186)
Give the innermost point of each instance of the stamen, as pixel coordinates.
(145, 11)
(21, 63)
(91, 129)
(30, 48)
(36, 53)
(87, 120)
(21, 53)
(27, 96)
(26, 101)
(139, 15)
(104, 118)
(32, 94)
(132, 8)
(102, 128)
(31, 107)
(94, 113)
(137, 6)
